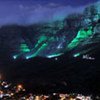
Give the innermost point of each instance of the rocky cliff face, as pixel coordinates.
(49, 40)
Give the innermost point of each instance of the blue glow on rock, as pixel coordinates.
(27, 57)
(15, 57)
(76, 55)
(55, 55)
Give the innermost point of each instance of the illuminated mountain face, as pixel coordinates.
(53, 39)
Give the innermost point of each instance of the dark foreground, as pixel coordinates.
(64, 74)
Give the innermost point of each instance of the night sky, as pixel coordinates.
(61, 2)
(33, 11)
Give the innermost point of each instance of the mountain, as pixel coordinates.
(52, 39)
(58, 56)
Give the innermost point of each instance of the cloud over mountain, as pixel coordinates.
(22, 14)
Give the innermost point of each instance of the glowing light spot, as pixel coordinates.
(15, 57)
(60, 46)
(76, 55)
(54, 55)
(88, 57)
(27, 57)
(56, 59)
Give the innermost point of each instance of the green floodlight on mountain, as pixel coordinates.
(24, 48)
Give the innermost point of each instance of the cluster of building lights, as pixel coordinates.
(8, 91)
